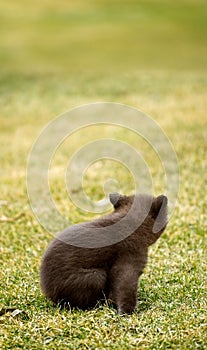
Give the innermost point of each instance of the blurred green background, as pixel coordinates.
(103, 36)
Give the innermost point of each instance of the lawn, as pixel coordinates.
(151, 55)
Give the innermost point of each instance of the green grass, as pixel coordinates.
(103, 35)
(150, 55)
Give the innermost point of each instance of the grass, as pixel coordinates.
(37, 84)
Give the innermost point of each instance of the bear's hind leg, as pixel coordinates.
(84, 288)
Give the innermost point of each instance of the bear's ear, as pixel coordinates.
(158, 203)
(115, 199)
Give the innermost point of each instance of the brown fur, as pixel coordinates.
(79, 277)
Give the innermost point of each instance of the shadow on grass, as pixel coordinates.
(25, 311)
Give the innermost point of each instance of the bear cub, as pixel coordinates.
(79, 274)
